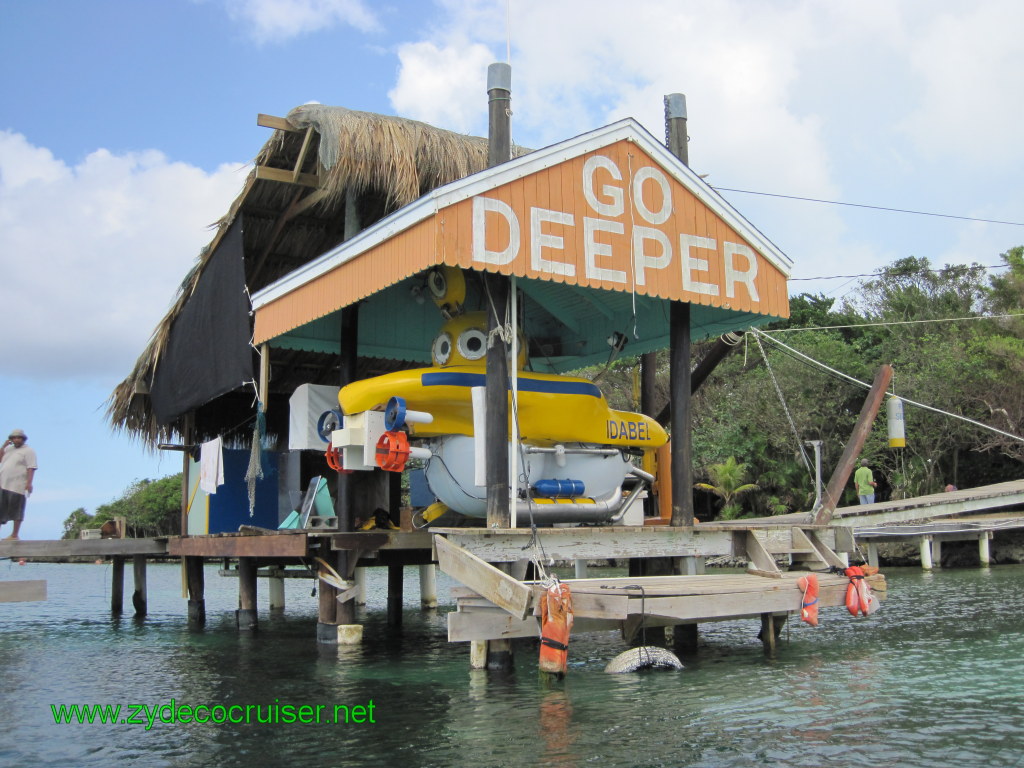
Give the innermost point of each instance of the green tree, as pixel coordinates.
(727, 482)
(75, 522)
(150, 507)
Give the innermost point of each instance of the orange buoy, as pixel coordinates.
(858, 593)
(555, 626)
(809, 605)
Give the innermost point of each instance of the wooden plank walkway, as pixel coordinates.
(621, 604)
(947, 504)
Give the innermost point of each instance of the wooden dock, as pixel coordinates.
(931, 536)
(506, 608)
(946, 504)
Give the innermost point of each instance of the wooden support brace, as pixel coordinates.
(488, 581)
(763, 564)
(811, 539)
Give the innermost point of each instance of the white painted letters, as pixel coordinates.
(691, 264)
(617, 205)
(652, 217)
(733, 275)
(592, 249)
(481, 207)
(640, 258)
(539, 240)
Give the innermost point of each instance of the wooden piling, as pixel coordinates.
(246, 614)
(395, 588)
(836, 484)
(428, 586)
(925, 543)
(275, 587)
(873, 554)
(983, 548)
(196, 582)
(117, 584)
(139, 598)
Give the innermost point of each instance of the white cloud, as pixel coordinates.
(442, 85)
(870, 102)
(281, 20)
(971, 64)
(92, 252)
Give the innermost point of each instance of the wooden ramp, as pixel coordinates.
(947, 504)
(493, 605)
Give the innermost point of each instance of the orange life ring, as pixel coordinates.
(555, 626)
(809, 603)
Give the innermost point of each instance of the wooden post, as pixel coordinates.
(983, 548)
(333, 614)
(925, 543)
(937, 552)
(873, 553)
(327, 620)
(196, 591)
(187, 433)
(679, 352)
(428, 586)
(395, 585)
(139, 594)
(246, 613)
(360, 579)
(117, 584)
(682, 454)
(275, 587)
(478, 654)
(771, 629)
(834, 490)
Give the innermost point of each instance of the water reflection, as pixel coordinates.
(933, 678)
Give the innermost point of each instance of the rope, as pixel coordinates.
(759, 334)
(898, 322)
(785, 408)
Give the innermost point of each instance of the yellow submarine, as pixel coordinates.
(574, 449)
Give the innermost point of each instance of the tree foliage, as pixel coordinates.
(955, 338)
(150, 508)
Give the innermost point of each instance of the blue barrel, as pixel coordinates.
(559, 487)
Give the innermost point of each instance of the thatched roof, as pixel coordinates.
(321, 165)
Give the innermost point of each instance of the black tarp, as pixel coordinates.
(208, 351)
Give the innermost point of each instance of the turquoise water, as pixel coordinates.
(934, 678)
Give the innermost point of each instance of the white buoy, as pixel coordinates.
(894, 411)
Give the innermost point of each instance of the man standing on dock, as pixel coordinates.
(865, 483)
(17, 469)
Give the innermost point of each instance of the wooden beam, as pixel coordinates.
(758, 556)
(83, 547)
(284, 545)
(489, 582)
(277, 123)
(280, 174)
(22, 591)
(301, 159)
(823, 553)
(834, 491)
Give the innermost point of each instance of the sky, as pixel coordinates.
(127, 128)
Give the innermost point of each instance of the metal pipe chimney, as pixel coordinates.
(499, 113)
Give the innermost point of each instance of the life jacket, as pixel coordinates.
(858, 593)
(809, 605)
(556, 623)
